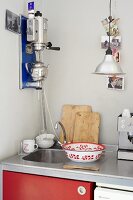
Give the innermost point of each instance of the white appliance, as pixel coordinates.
(105, 193)
(125, 130)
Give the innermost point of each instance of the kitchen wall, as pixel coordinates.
(19, 109)
(75, 26)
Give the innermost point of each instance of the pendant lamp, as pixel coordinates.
(109, 66)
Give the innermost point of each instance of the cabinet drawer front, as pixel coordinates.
(20, 186)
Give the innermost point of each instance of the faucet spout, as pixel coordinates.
(63, 129)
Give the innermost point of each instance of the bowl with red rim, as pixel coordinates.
(83, 151)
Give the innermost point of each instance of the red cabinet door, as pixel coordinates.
(20, 186)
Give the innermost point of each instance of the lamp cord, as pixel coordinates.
(110, 18)
(109, 51)
(110, 7)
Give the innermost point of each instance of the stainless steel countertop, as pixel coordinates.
(112, 171)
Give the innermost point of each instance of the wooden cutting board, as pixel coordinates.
(86, 128)
(68, 119)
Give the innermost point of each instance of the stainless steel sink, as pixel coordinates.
(47, 156)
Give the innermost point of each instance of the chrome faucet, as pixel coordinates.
(63, 129)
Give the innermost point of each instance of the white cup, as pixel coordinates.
(29, 146)
(126, 113)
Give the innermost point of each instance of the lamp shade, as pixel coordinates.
(108, 67)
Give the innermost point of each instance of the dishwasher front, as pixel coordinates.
(116, 193)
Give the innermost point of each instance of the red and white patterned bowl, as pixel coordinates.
(83, 152)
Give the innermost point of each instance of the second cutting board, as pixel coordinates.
(86, 128)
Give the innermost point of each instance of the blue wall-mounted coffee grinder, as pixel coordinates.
(33, 42)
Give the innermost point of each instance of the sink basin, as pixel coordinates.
(47, 156)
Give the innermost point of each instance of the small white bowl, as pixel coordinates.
(83, 152)
(45, 136)
(45, 143)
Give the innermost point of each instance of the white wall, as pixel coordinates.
(75, 26)
(19, 109)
